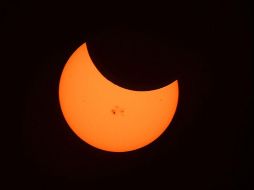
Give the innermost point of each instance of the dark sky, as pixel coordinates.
(206, 45)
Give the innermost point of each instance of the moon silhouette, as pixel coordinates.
(107, 116)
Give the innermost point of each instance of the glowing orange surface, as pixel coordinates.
(110, 117)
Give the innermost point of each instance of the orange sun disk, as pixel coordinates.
(108, 116)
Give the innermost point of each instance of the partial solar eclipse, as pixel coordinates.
(107, 116)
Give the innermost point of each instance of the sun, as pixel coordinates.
(110, 117)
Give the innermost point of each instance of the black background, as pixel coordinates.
(206, 45)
